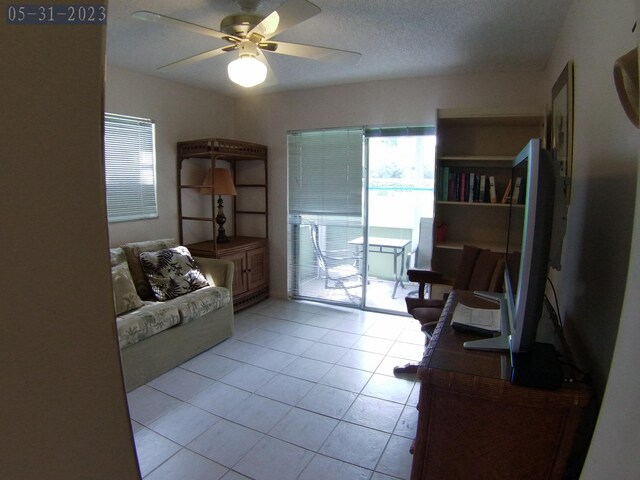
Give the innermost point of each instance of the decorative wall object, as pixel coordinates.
(625, 76)
(562, 125)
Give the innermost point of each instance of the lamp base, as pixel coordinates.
(222, 237)
(220, 220)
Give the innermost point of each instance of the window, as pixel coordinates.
(130, 168)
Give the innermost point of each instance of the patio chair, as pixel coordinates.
(340, 268)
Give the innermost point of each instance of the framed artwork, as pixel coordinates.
(562, 126)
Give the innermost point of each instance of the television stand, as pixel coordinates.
(538, 368)
(474, 423)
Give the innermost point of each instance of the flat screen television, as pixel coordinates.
(528, 242)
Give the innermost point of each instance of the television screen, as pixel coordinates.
(528, 242)
(527, 251)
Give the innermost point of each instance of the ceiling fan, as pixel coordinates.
(250, 34)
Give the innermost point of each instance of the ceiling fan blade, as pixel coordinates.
(174, 22)
(317, 53)
(271, 77)
(286, 16)
(199, 57)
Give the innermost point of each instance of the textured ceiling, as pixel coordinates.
(397, 39)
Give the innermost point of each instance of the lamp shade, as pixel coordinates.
(221, 181)
(247, 71)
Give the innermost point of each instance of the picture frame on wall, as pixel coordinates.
(561, 141)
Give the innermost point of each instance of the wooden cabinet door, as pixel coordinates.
(239, 260)
(258, 268)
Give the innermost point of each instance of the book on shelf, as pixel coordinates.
(467, 187)
(464, 183)
(507, 193)
(523, 190)
(516, 190)
(445, 184)
(492, 189)
(481, 195)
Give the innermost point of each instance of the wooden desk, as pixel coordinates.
(473, 424)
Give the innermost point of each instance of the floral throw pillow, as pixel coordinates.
(171, 272)
(125, 297)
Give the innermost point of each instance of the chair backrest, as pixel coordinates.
(480, 269)
(315, 241)
(425, 244)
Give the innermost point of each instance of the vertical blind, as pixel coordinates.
(130, 168)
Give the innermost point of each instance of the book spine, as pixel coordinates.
(523, 191)
(492, 190)
(472, 181)
(481, 195)
(452, 186)
(445, 184)
(516, 190)
(507, 193)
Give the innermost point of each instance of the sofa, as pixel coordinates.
(169, 306)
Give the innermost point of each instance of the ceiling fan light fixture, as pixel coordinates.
(247, 71)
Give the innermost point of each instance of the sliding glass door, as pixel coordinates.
(401, 163)
(360, 213)
(326, 215)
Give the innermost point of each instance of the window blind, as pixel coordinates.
(130, 168)
(326, 172)
(326, 185)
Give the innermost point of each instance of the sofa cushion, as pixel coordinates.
(132, 252)
(125, 297)
(152, 318)
(172, 272)
(200, 302)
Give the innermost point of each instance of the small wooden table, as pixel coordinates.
(473, 423)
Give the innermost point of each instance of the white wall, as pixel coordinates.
(614, 449)
(181, 113)
(64, 411)
(267, 118)
(597, 244)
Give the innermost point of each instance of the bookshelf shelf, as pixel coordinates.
(474, 147)
(476, 158)
(477, 204)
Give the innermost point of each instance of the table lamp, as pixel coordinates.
(220, 179)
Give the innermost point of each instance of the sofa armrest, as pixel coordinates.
(217, 272)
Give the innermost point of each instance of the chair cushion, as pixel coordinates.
(465, 267)
(424, 310)
(426, 314)
(484, 271)
(171, 272)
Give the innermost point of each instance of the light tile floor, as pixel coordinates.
(301, 391)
